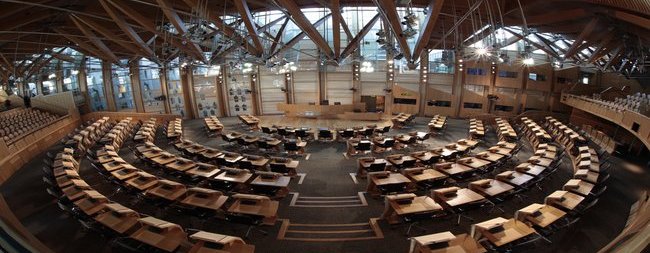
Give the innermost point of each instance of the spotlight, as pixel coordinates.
(481, 51)
(528, 61)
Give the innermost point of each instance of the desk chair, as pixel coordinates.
(262, 144)
(325, 135)
(246, 165)
(422, 136)
(283, 132)
(376, 167)
(383, 130)
(346, 134)
(279, 168)
(414, 219)
(252, 221)
(220, 185)
(387, 145)
(364, 147)
(368, 132)
(303, 134)
(292, 147)
(408, 164)
(269, 191)
(392, 189)
(228, 139)
(242, 142)
(268, 130)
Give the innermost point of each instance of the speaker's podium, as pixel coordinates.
(324, 110)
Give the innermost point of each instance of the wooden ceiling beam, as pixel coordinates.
(249, 23)
(99, 44)
(83, 45)
(336, 25)
(7, 63)
(128, 30)
(278, 36)
(303, 23)
(547, 50)
(615, 55)
(604, 47)
(181, 28)
(586, 31)
(18, 8)
(356, 41)
(213, 15)
(109, 35)
(434, 9)
(550, 17)
(388, 9)
(630, 18)
(298, 37)
(38, 67)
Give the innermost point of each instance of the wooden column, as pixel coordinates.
(424, 81)
(83, 85)
(457, 89)
(188, 91)
(288, 87)
(390, 82)
(107, 78)
(322, 83)
(255, 93)
(356, 83)
(58, 79)
(162, 74)
(221, 98)
(136, 87)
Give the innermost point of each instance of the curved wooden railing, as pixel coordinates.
(636, 123)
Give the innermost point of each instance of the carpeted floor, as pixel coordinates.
(327, 175)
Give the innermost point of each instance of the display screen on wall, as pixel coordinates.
(405, 101)
(536, 77)
(475, 71)
(503, 108)
(439, 103)
(472, 105)
(507, 74)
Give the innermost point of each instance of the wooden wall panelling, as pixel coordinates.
(402, 93)
(338, 86)
(271, 85)
(305, 87)
(504, 80)
(565, 78)
(545, 70)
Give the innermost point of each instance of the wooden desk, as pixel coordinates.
(512, 230)
(490, 187)
(91, 203)
(257, 161)
(278, 181)
(501, 151)
(180, 164)
(66, 180)
(399, 160)
(453, 169)
(76, 189)
(210, 153)
(163, 158)
(255, 205)
(114, 165)
(203, 171)
(204, 198)
(537, 160)
(493, 157)
(539, 215)
(530, 169)
(125, 173)
(405, 204)
(475, 163)
(425, 157)
(241, 177)
(462, 243)
(564, 199)
(159, 234)
(514, 178)
(391, 178)
(587, 175)
(578, 186)
(456, 197)
(166, 189)
(420, 174)
(142, 181)
(118, 218)
(216, 243)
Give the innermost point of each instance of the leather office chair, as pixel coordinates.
(268, 130)
(391, 189)
(279, 168)
(364, 147)
(252, 221)
(283, 132)
(291, 147)
(374, 167)
(325, 135)
(368, 132)
(302, 134)
(246, 165)
(346, 134)
(220, 185)
(408, 164)
(414, 219)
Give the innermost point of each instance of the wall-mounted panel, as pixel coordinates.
(338, 87)
(510, 76)
(271, 90)
(540, 77)
(305, 87)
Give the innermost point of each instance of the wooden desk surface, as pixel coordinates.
(424, 155)
(455, 169)
(463, 196)
(118, 218)
(257, 162)
(425, 175)
(564, 199)
(164, 158)
(530, 169)
(473, 162)
(168, 241)
(142, 182)
(125, 173)
(393, 178)
(514, 177)
(204, 198)
(210, 153)
(168, 190)
(266, 208)
(546, 214)
(181, 164)
(280, 181)
(462, 243)
(578, 186)
(420, 204)
(203, 171)
(513, 230)
(587, 175)
(492, 189)
(537, 160)
(494, 157)
(91, 203)
(397, 161)
(241, 177)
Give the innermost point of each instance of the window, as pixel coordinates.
(150, 86)
(507, 74)
(122, 88)
(503, 108)
(536, 77)
(475, 71)
(95, 82)
(473, 105)
(635, 127)
(564, 80)
(405, 101)
(439, 103)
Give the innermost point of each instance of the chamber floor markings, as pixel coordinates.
(330, 232)
(302, 177)
(339, 201)
(354, 178)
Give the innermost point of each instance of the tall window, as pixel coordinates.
(71, 81)
(122, 88)
(151, 89)
(95, 81)
(205, 90)
(49, 83)
(175, 89)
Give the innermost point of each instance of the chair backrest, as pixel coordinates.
(377, 167)
(290, 146)
(325, 134)
(266, 130)
(363, 146)
(279, 167)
